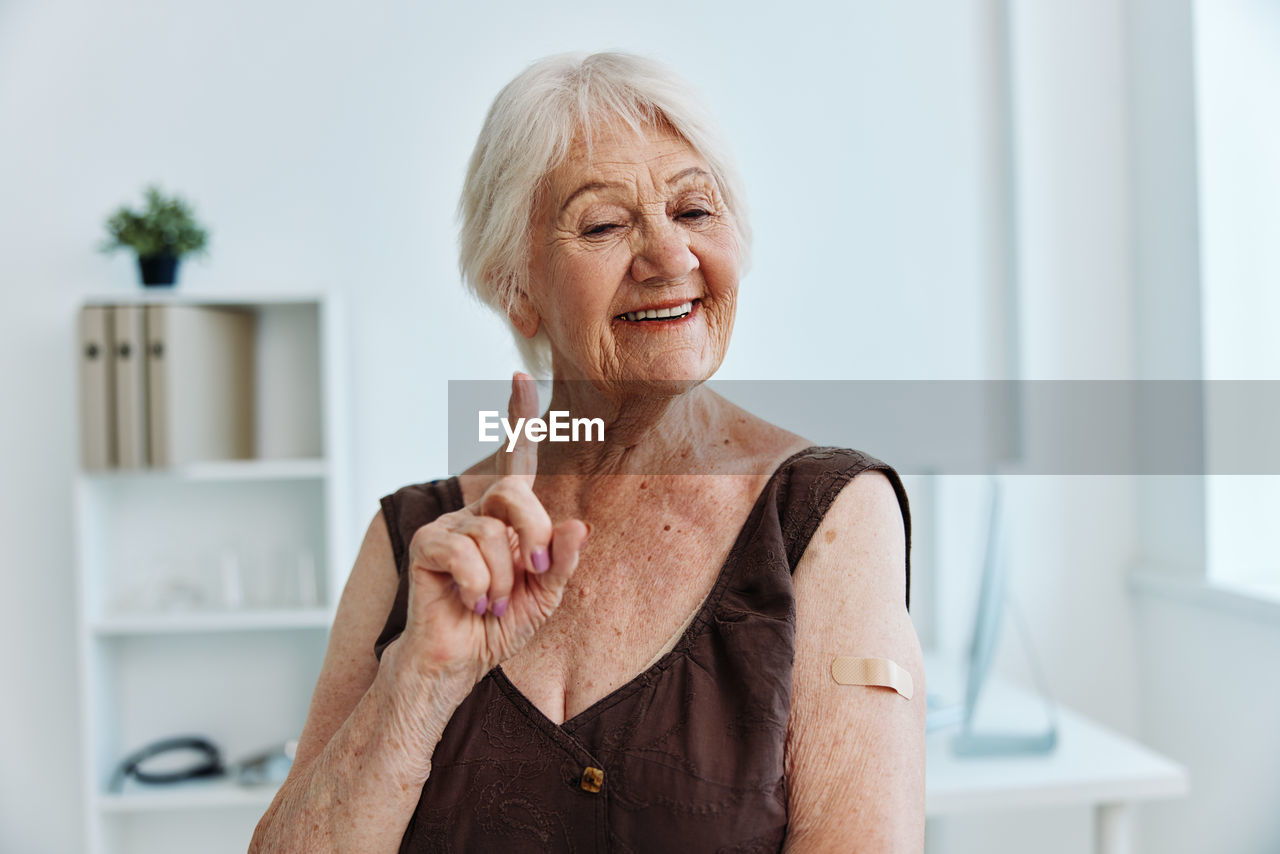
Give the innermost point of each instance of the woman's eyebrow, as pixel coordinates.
(685, 173)
(585, 188)
(602, 185)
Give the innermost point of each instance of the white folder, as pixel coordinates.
(97, 389)
(199, 384)
(129, 368)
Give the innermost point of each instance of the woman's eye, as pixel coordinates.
(694, 214)
(602, 228)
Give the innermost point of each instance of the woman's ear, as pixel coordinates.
(523, 313)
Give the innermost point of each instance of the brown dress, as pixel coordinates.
(686, 757)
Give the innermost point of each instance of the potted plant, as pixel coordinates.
(161, 235)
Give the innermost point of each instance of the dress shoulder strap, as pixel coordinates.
(807, 485)
(406, 510)
(410, 507)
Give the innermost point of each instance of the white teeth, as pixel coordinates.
(657, 313)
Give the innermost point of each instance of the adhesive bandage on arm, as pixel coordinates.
(877, 672)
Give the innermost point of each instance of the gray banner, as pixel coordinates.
(1095, 427)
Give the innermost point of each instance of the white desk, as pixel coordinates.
(1091, 765)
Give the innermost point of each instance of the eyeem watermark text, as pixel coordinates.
(558, 428)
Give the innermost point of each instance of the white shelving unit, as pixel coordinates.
(206, 591)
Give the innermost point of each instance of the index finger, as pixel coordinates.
(522, 460)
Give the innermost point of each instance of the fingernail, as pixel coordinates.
(541, 560)
(481, 603)
(499, 607)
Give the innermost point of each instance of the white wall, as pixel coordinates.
(324, 144)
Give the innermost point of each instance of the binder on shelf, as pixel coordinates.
(97, 389)
(129, 369)
(199, 371)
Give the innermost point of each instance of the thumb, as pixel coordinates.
(522, 460)
(567, 540)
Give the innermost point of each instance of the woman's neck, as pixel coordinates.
(643, 433)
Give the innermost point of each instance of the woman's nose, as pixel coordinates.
(663, 255)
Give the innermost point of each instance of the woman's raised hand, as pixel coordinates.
(485, 578)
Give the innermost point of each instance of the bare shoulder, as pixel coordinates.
(747, 436)
(860, 545)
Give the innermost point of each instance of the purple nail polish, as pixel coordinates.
(481, 603)
(500, 607)
(541, 560)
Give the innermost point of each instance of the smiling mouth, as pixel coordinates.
(659, 315)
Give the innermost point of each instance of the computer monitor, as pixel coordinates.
(988, 615)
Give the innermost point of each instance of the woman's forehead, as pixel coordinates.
(616, 150)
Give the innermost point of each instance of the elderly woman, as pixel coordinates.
(617, 657)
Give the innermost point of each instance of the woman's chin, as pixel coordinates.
(668, 373)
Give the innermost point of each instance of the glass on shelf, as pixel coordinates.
(167, 585)
(231, 579)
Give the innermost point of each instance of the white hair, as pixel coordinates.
(528, 133)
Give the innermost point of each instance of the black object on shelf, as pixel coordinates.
(158, 270)
(207, 763)
(269, 766)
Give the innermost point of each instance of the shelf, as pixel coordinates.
(194, 794)
(160, 549)
(224, 470)
(246, 299)
(225, 621)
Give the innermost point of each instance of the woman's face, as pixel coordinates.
(637, 228)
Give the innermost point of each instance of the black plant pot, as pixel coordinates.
(158, 270)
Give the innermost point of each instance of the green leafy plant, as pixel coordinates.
(166, 226)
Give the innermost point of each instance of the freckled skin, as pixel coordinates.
(636, 222)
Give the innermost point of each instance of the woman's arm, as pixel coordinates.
(482, 581)
(855, 755)
(365, 750)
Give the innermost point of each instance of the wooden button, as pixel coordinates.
(592, 779)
